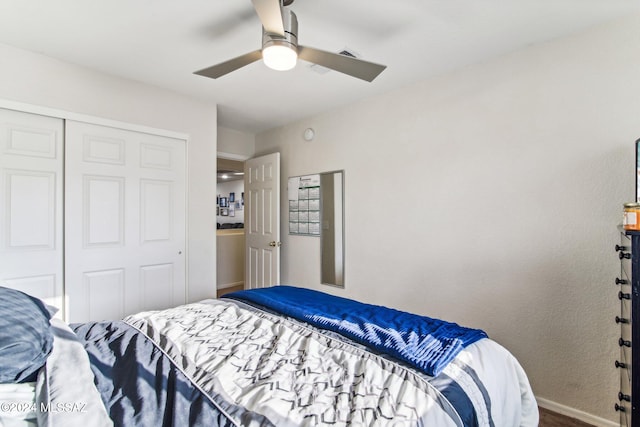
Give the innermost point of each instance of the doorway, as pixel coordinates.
(230, 235)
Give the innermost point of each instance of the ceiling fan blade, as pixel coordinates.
(345, 64)
(226, 67)
(270, 14)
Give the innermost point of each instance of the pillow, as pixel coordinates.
(66, 379)
(25, 336)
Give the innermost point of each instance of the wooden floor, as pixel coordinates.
(552, 419)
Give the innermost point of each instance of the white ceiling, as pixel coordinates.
(162, 42)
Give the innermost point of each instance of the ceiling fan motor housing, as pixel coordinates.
(290, 38)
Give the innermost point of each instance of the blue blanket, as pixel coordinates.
(425, 343)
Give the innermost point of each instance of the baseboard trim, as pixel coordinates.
(230, 285)
(575, 413)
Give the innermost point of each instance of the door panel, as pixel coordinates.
(44, 287)
(104, 293)
(30, 207)
(103, 211)
(98, 149)
(30, 135)
(31, 163)
(125, 210)
(156, 219)
(157, 285)
(262, 221)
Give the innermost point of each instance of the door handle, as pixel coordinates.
(275, 244)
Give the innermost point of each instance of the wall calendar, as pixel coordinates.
(304, 205)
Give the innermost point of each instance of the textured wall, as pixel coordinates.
(235, 144)
(490, 196)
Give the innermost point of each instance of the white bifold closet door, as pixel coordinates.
(31, 180)
(124, 222)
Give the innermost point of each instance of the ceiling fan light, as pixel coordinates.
(279, 57)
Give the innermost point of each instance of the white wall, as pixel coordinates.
(490, 197)
(234, 144)
(35, 79)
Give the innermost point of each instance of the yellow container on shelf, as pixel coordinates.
(631, 217)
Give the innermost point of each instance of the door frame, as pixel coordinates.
(69, 115)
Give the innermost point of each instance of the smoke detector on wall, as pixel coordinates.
(308, 134)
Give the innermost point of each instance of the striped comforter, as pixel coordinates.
(258, 367)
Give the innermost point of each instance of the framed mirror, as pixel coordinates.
(332, 228)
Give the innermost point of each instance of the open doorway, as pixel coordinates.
(230, 236)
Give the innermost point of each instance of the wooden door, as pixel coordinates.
(125, 222)
(262, 221)
(31, 178)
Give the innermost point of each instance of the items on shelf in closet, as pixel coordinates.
(631, 217)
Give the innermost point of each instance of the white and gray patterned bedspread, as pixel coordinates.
(251, 361)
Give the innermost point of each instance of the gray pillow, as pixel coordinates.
(25, 336)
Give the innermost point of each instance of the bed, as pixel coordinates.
(281, 356)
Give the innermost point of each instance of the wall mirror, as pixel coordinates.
(332, 228)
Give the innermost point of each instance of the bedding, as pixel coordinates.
(427, 344)
(35, 346)
(17, 405)
(286, 356)
(25, 336)
(65, 391)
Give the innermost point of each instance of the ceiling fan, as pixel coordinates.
(280, 48)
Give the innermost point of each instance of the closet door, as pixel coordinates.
(31, 204)
(125, 222)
